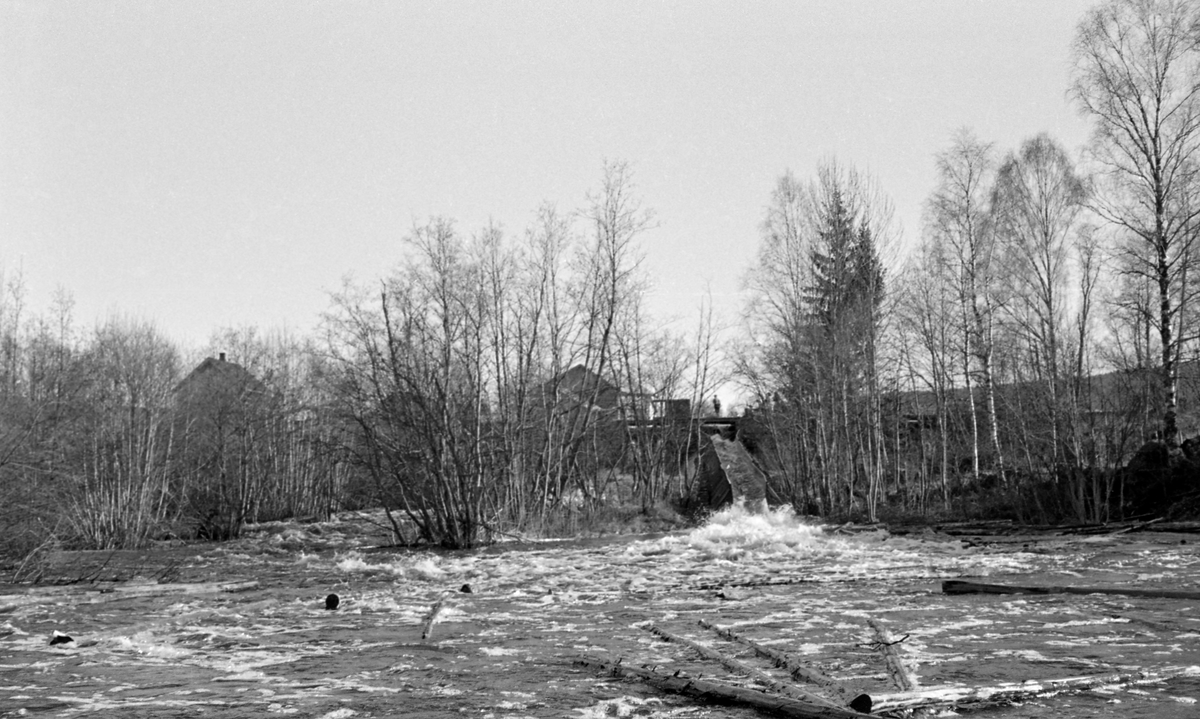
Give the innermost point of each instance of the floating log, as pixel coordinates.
(161, 590)
(889, 646)
(83, 566)
(1168, 624)
(744, 669)
(977, 528)
(434, 611)
(1017, 691)
(957, 586)
(60, 595)
(1140, 527)
(143, 590)
(852, 528)
(717, 693)
(708, 586)
(857, 700)
(1181, 527)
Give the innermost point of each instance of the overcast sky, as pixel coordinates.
(206, 164)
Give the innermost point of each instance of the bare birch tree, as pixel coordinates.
(1137, 76)
(1037, 201)
(121, 494)
(958, 214)
(929, 315)
(610, 288)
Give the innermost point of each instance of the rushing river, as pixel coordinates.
(506, 648)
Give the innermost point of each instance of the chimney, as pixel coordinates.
(222, 356)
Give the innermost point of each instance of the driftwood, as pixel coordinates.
(744, 669)
(57, 595)
(1115, 527)
(434, 611)
(1154, 621)
(159, 590)
(848, 696)
(979, 528)
(717, 693)
(956, 586)
(852, 528)
(708, 586)
(1016, 691)
(1181, 527)
(149, 590)
(1006, 529)
(888, 645)
(88, 566)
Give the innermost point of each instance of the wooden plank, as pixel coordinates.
(957, 586)
(716, 693)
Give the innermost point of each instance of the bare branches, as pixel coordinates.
(815, 319)
(1137, 75)
(489, 382)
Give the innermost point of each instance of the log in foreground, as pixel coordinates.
(889, 646)
(1017, 691)
(958, 586)
(856, 700)
(744, 669)
(716, 693)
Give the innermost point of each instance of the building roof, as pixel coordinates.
(580, 384)
(218, 373)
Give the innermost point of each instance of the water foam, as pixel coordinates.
(735, 534)
(773, 530)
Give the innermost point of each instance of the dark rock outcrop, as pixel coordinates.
(1163, 481)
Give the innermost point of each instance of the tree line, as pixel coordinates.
(1035, 336)
(486, 385)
